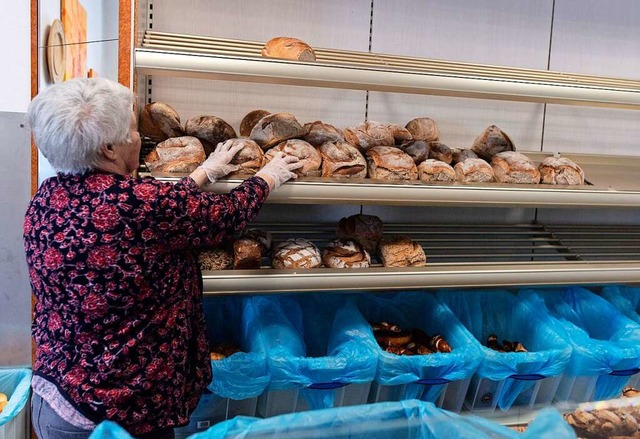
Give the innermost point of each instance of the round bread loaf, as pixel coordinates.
(319, 133)
(345, 253)
(177, 154)
(401, 251)
(276, 128)
(210, 130)
(492, 141)
(554, 170)
(247, 254)
(342, 160)
(460, 155)
(159, 121)
(263, 237)
(513, 167)
(369, 134)
(288, 48)
(440, 151)
(215, 259)
(435, 170)
(250, 158)
(424, 128)
(417, 149)
(250, 120)
(296, 253)
(400, 134)
(309, 156)
(474, 171)
(366, 230)
(390, 163)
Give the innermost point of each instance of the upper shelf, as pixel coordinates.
(236, 60)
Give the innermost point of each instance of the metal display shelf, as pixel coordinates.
(458, 257)
(236, 60)
(614, 183)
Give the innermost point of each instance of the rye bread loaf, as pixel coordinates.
(319, 133)
(210, 130)
(491, 142)
(366, 230)
(296, 253)
(159, 121)
(262, 237)
(390, 163)
(342, 160)
(345, 253)
(250, 158)
(250, 120)
(369, 134)
(276, 128)
(401, 251)
(247, 254)
(474, 171)
(554, 170)
(440, 151)
(177, 154)
(424, 128)
(309, 156)
(288, 48)
(417, 149)
(513, 167)
(435, 170)
(460, 155)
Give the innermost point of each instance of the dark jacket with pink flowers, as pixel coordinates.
(118, 324)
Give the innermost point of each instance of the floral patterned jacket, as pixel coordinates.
(118, 323)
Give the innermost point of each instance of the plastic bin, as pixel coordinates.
(524, 379)
(318, 349)
(14, 419)
(440, 378)
(606, 344)
(109, 430)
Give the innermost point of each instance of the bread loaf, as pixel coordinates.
(342, 160)
(435, 170)
(250, 120)
(309, 156)
(474, 171)
(288, 48)
(555, 170)
(400, 134)
(513, 167)
(276, 128)
(262, 237)
(159, 122)
(250, 158)
(345, 253)
(390, 163)
(440, 151)
(247, 254)
(460, 155)
(215, 259)
(319, 133)
(366, 230)
(369, 134)
(492, 141)
(210, 130)
(424, 128)
(296, 253)
(177, 154)
(417, 149)
(401, 251)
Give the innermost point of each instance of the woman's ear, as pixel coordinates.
(108, 151)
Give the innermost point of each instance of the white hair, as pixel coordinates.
(70, 121)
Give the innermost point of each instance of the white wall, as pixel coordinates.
(15, 74)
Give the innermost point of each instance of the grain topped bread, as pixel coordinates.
(401, 251)
(309, 156)
(215, 259)
(390, 163)
(296, 253)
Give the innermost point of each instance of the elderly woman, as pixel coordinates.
(118, 323)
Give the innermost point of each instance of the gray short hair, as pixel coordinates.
(70, 121)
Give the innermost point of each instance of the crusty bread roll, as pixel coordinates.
(369, 134)
(296, 253)
(401, 251)
(309, 156)
(554, 170)
(262, 237)
(177, 154)
(366, 230)
(276, 128)
(342, 160)
(513, 167)
(247, 254)
(215, 259)
(288, 48)
(319, 133)
(345, 253)
(417, 149)
(250, 158)
(492, 141)
(435, 170)
(400, 134)
(474, 171)
(440, 151)
(390, 163)
(159, 121)
(210, 130)
(460, 155)
(250, 120)
(424, 128)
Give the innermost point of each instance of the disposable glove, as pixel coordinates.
(279, 170)
(217, 164)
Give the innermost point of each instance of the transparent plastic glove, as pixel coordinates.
(279, 170)
(217, 164)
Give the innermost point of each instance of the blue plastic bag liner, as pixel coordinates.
(625, 299)
(328, 348)
(421, 310)
(393, 420)
(244, 374)
(16, 384)
(109, 430)
(604, 341)
(499, 312)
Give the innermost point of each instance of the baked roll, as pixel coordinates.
(296, 253)
(345, 253)
(474, 171)
(401, 251)
(390, 163)
(288, 48)
(435, 170)
(262, 237)
(210, 130)
(369, 134)
(366, 230)
(561, 170)
(177, 154)
(491, 142)
(400, 134)
(247, 254)
(319, 133)
(276, 128)
(417, 149)
(513, 167)
(215, 259)
(460, 155)
(250, 120)
(309, 156)
(342, 160)
(250, 158)
(159, 122)
(440, 151)
(424, 128)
